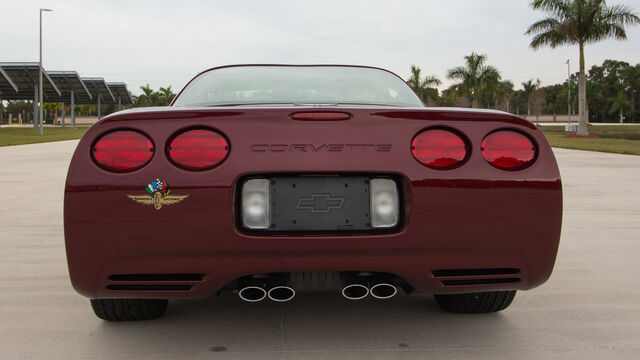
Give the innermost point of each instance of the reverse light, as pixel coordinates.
(198, 149)
(508, 150)
(385, 208)
(439, 148)
(256, 204)
(122, 150)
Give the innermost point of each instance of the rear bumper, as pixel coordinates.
(449, 224)
(418, 269)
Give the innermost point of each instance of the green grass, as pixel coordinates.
(613, 139)
(629, 132)
(20, 136)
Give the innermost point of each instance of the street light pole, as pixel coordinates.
(40, 71)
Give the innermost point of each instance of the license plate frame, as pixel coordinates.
(320, 203)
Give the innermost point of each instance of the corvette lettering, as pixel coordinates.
(314, 148)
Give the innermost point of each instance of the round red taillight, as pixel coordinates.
(508, 150)
(123, 150)
(198, 149)
(439, 148)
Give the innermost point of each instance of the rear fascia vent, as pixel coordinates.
(156, 277)
(475, 272)
(489, 276)
(154, 282)
(181, 287)
(480, 281)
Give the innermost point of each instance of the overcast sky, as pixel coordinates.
(168, 42)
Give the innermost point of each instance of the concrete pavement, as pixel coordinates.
(590, 309)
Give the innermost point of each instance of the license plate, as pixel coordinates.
(320, 203)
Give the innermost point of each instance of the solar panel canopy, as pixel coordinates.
(67, 82)
(99, 89)
(18, 81)
(119, 91)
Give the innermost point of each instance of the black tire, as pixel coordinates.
(128, 309)
(481, 302)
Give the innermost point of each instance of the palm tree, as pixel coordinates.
(490, 90)
(503, 92)
(167, 95)
(538, 97)
(619, 103)
(148, 97)
(425, 88)
(579, 22)
(474, 76)
(529, 89)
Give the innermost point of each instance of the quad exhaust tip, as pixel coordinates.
(252, 293)
(383, 291)
(355, 291)
(281, 293)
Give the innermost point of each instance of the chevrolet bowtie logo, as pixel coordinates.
(320, 203)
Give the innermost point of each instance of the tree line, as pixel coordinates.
(150, 97)
(613, 91)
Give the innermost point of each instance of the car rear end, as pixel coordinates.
(267, 180)
(462, 225)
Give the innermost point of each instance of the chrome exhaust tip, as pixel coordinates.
(383, 291)
(281, 293)
(355, 291)
(252, 293)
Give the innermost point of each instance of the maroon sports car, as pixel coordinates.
(266, 180)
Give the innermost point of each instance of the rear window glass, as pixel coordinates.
(297, 85)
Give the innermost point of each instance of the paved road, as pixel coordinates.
(590, 309)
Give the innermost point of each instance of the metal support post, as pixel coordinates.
(41, 105)
(41, 93)
(35, 106)
(63, 114)
(99, 107)
(119, 104)
(73, 112)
